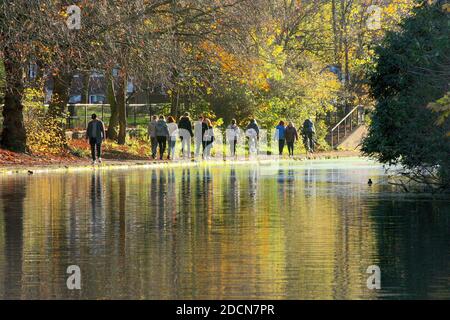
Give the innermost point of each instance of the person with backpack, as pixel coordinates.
(95, 134)
(185, 130)
(253, 126)
(162, 135)
(308, 132)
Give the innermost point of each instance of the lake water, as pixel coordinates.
(288, 230)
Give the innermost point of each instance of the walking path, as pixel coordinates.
(84, 164)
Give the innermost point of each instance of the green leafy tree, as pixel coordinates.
(413, 70)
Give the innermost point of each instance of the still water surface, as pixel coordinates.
(289, 230)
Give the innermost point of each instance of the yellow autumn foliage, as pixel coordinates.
(41, 130)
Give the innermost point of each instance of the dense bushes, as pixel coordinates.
(41, 130)
(413, 70)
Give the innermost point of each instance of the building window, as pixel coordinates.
(96, 99)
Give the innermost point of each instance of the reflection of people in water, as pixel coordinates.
(203, 186)
(290, 184)
(161, 199)
(207, 184)
(291, 177)
(153, 185)
(96, 204)
(186, 193)
(234, 193)
(253, 182)
(12, 196)
(96, 190)
(122, 212)
(171, 195)
(281, 180)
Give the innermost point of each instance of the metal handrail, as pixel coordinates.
(337, 126)
(345, 118)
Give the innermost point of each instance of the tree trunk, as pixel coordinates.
(174, 103)
(111, 96)
(60, 94)
(60, 98)
(335, 31)
(13, 135)
(85, 89)
(13, 195)
(122, 107)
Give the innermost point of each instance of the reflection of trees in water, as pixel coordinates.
(12, 196)
(122, 218)
(296, 246)
(413, 242)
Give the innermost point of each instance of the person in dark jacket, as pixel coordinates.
(198, 135)
(152, 135)
(162, 135)
(96, 133)
(252, 126)
(280, 136)
(308, 132)
(185, 130)
(291, 136)
(204, 130)
(208, 138)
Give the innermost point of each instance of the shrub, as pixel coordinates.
(41, 130)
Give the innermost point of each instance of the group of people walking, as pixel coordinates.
(164, 133)
(288, 135)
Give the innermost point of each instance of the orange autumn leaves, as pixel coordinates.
(246, 70)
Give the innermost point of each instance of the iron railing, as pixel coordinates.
(78, 115)
(351, 121)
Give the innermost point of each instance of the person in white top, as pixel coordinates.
(232, 137)
(173, 133)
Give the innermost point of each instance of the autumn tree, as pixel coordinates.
(15, 35)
